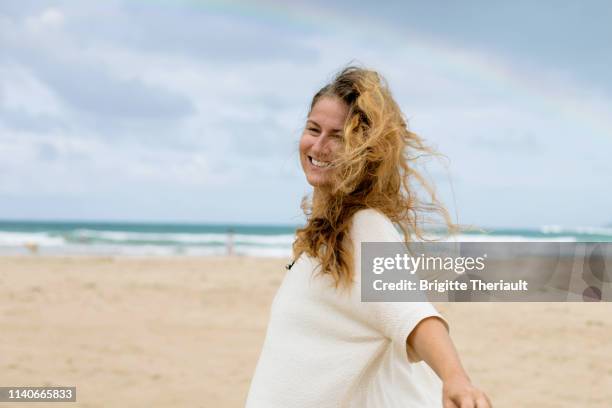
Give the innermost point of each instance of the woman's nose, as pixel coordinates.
(321, 145)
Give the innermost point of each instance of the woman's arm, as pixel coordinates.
(430, 342)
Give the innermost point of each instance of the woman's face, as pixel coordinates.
(322, 139)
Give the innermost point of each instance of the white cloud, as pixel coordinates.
(50, 18)
(21, 90)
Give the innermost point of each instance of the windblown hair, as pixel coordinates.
(376, 169)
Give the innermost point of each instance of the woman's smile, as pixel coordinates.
(319, 163)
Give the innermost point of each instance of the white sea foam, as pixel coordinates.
(507, 238)
(127, 236)
(182, 238)
(285, 239)
(557, 229)
(10, 238)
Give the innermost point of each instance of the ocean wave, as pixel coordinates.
(507, 238)
(10, 238)
(82, 235)
(557, 229)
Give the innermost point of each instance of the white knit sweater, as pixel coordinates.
(325, 348)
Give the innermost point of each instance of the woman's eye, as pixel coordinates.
(313, 129)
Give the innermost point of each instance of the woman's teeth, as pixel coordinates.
(319, 163)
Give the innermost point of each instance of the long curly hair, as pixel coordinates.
(376, 168)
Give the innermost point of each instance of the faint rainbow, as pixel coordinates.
(473, 66)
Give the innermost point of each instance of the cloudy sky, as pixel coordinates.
(192, 110)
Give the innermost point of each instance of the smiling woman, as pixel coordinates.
(324, 347)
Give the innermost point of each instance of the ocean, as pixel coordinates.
(146, 239)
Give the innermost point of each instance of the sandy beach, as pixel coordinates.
(186, 332)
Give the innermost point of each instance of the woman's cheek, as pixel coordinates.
(303, 144)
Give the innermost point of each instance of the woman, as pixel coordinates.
(324, 347)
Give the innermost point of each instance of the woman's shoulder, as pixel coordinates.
(370, 224)
(369, 216)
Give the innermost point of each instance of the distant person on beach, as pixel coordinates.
(323, 346)
(230, 242)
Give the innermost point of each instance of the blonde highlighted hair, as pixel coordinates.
(376, 168)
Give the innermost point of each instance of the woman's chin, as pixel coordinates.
(318, 182)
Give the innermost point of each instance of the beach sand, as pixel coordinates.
(187, 332)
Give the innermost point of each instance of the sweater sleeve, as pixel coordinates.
(395, 320)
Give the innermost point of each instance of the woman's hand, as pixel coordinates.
(458, 392)
(430, 342)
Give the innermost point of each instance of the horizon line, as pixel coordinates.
(248, 224)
